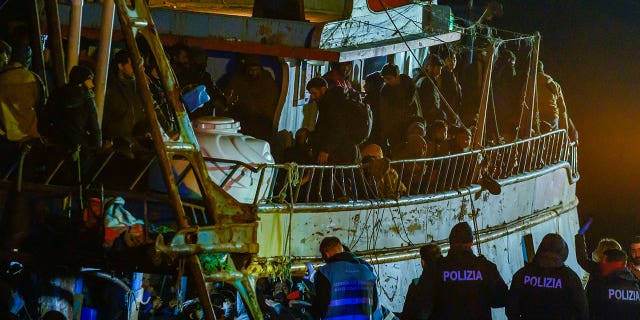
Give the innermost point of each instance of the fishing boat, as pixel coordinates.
(253, 218)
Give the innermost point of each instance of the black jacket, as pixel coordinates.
(546, 288)
(397, 105)
(614, 296)
(464, 286)
(332, 127)
(414, 306)
(124, 113)
(74, 117)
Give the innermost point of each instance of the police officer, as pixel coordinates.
(547, 288)
(615, 295)
(463, 286)
(345, 286)
(413, 304)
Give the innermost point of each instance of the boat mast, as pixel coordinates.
(530, 98)
(55, 39)
(478, 137)
(102, 67)
(75, 26)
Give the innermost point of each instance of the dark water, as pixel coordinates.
(592, 48)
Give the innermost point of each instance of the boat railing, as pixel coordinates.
(413, 177)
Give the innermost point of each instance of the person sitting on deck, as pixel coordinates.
(437, 139)
(382, 179)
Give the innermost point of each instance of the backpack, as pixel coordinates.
(359, 117)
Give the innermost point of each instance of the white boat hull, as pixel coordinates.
(388, 233)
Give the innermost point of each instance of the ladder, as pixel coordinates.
(231, 227)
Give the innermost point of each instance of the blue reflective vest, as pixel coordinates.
(352, 291)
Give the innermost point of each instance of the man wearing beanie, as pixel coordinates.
(463, 286)
(547, 288)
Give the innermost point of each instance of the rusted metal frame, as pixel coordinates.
(234, 169)
(144, 170)
(51, 175)
(180, 178)
(194, 216)
(99, 171)
(235, 162)
(134, 21)
(260, 181)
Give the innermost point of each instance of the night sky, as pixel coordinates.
(592, 48)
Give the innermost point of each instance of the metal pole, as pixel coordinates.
(484, 101)
(36, 41)
(55, 38)
(531, 98)
(102, 69)
(75, 28)
(136, 296)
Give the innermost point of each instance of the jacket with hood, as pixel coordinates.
(614, 296)
(466, 286)
(547, 288)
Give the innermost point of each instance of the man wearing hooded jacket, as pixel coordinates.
(463, 285)
(547, 288)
